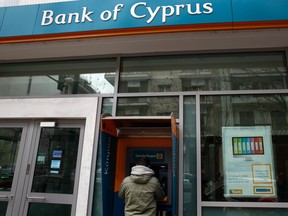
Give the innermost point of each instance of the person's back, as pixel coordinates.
(140, 191)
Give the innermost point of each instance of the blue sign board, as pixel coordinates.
(42, 17)
(154, 155)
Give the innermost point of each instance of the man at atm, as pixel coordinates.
(141, 190)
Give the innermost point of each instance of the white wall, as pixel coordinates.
(150, 43)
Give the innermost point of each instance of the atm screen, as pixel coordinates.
(161, 173)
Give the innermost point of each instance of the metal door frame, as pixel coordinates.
(51, 197)
(10, 196)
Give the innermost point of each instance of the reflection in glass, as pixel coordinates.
(56, 160)
(189, 157)
(244, 212)
(94, 76)
(97, 192)
(43, 209)
(229, 111)
(9, 146)
(148, 106)
(107, 105)
(3, 208)
(206, 72)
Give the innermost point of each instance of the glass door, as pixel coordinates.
(12, 141)
(40, 168)
(54, 167)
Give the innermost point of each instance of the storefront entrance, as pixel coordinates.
(44, 145)
(38, 164)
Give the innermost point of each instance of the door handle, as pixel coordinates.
(6, 197)
(34, 198)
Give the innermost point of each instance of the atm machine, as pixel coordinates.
(161, 164)
(126, 139)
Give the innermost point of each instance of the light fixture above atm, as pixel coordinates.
(144, 126)
(144, 132)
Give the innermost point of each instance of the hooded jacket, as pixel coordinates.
(140, 191)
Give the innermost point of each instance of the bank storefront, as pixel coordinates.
(199, 87)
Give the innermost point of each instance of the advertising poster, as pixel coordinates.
(248, 162)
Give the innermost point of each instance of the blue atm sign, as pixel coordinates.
(50, 17)
(155, 156)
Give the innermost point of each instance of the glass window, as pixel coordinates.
(189, 158)
(241, 71)
(107, 105)
(148, 106)
(3, 208)
(45, 209)
(97, 191)
(56, 160)
(9, 147)
(244, 212)
(93, 76)
(244, 140)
